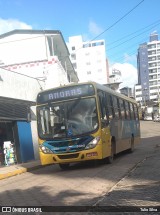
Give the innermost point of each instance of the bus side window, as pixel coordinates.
(115, 105)
(122, 108)
(127, 110)
(112, 106)
(119, 109)
(136, 112)
(102, 103)
(131, 111)
(108, 107)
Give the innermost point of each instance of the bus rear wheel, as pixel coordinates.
(131, 150)
(111, 157)
(64, 166)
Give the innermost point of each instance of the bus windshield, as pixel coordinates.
(67, 119)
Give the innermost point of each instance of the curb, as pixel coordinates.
(19, 171)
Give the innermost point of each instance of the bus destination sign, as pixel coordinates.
(65, 93)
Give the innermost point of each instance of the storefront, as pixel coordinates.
(16, 144)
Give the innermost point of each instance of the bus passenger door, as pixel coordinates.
(105, 132)
(105, 127)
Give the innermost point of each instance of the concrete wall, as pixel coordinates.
(18, 86)
(22, 48)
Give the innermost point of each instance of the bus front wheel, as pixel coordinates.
(64, 166)
(111, 157)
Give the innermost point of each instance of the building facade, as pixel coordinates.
(127, 91)
(89, 59)
(37, 53)
(30, 61)
(148, 63)
(17, 115)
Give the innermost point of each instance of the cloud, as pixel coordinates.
(94, 29)
(12, 24)
(128, 74)
(130, 58)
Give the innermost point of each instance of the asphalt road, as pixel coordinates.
(83, 184)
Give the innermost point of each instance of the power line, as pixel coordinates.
(118, 20)
(137, 43)
(131, 38)
(93, 38)
(113, 24)
(126, 36)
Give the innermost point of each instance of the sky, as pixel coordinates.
(123, 24)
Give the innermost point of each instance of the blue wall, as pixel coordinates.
(25, 141)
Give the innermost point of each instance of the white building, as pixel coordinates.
(37, 53)
(89, 59)
(138, 94)
(30, 61)
(154, 67)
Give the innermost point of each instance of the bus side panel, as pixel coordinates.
(123, 130)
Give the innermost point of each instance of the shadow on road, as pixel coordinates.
(141, 186)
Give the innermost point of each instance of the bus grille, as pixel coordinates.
(68, 156)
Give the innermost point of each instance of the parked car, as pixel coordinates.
(147, 117)
(156, 118)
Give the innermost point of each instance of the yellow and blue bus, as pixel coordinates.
(85, 121)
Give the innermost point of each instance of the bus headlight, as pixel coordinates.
(93, 143)
(45, 150)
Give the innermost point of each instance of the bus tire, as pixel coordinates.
(111, 157)
(64, 166)
(131, 150)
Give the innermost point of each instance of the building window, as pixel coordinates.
(86, 45)
(75, 65)
(158, 51)
(152, 46)
(73, 56)
(97, 44)
(152, 70)
(152, 64)
(88, 72)
(73, 48)
(88, 63)
(151, 58)
(151, 52)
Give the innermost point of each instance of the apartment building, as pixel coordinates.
(89, 59)
(148, 64)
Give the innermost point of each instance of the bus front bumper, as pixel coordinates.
(92, 154)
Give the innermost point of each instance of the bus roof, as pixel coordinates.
(109, 90)
(97, 86)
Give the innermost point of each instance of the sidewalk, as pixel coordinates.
(141, 187)
(8, 171)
